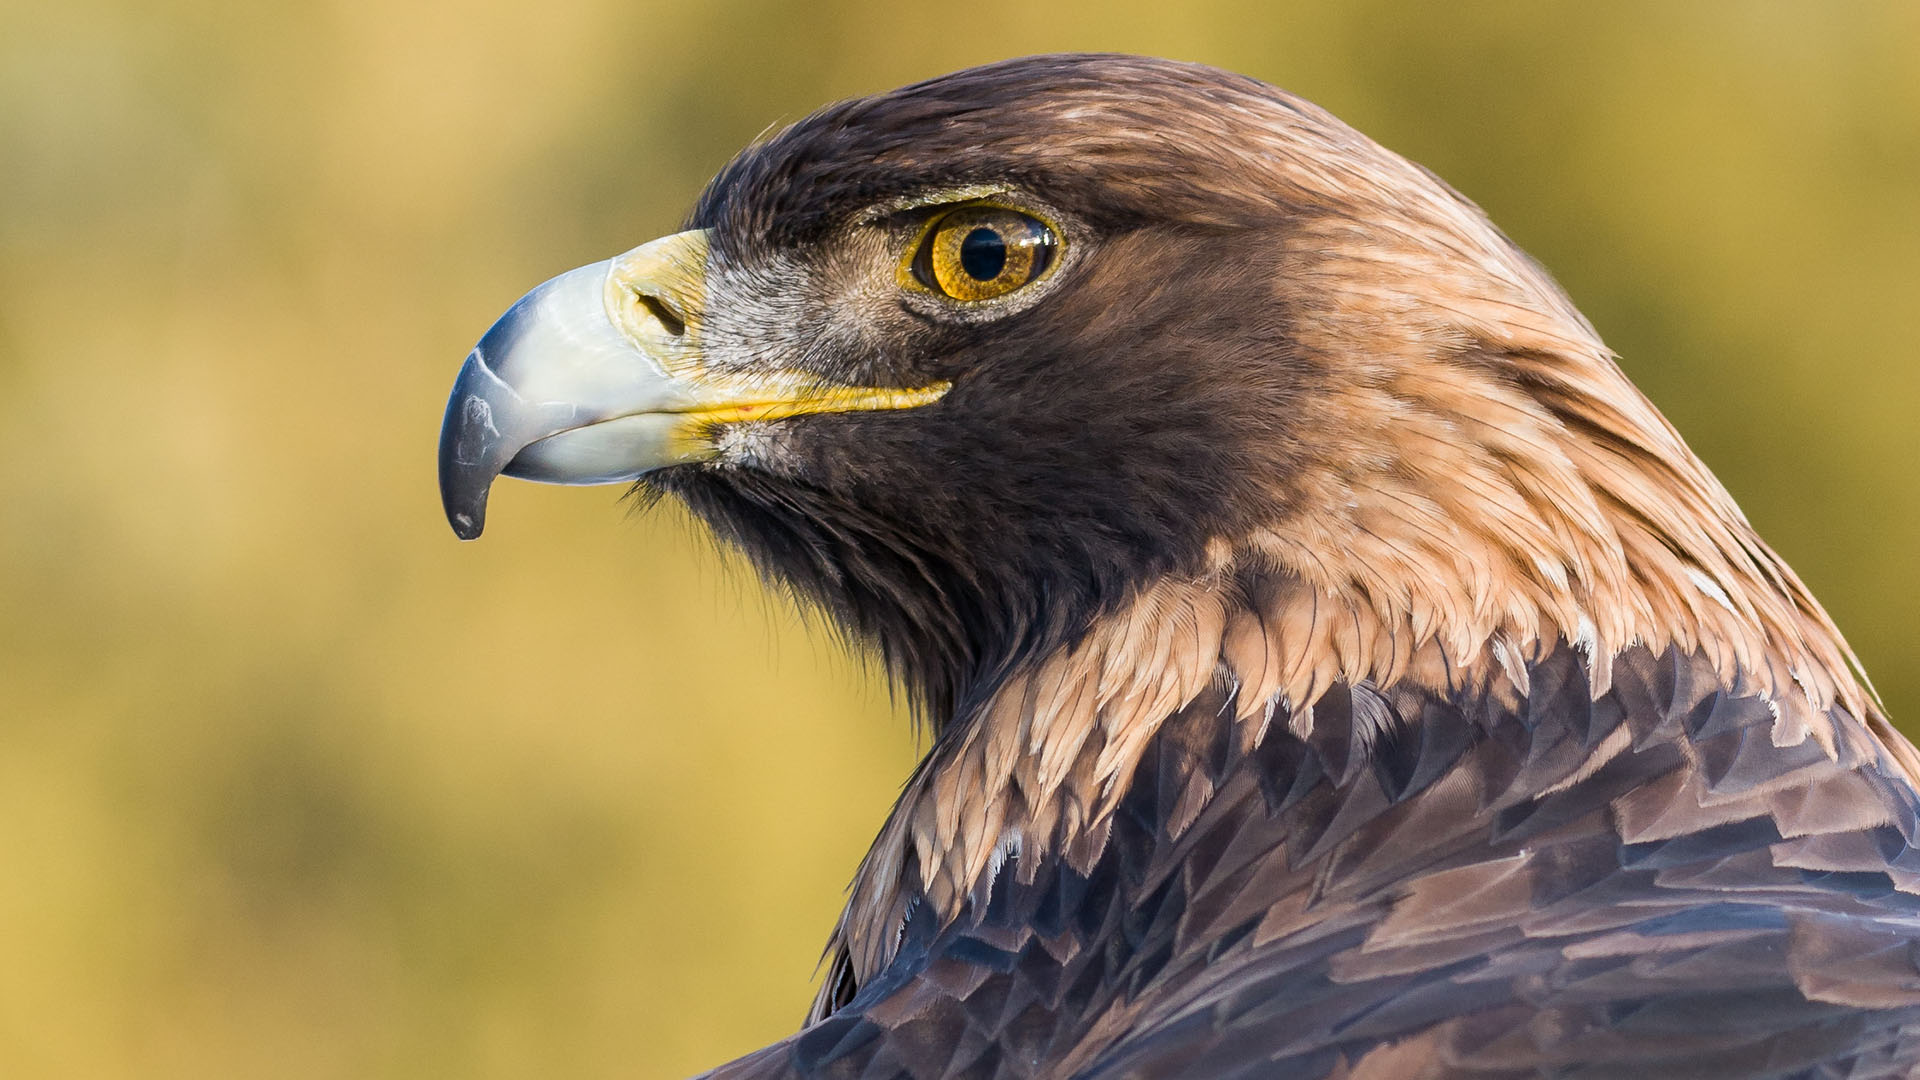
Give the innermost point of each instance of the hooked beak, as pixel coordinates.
(598, 377)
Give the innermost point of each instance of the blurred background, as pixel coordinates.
(293, 784)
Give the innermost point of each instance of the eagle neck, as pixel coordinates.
(1036, 771)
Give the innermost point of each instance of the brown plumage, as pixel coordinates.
(1338, 667)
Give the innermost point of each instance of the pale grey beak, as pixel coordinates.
(536, 397)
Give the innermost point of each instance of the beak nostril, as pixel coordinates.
(660, 310)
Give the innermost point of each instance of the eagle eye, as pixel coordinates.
(982, 252)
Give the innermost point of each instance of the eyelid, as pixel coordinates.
(933, 202)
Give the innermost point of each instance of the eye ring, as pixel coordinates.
(981, 252)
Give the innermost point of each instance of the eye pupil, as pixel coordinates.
(983, 254)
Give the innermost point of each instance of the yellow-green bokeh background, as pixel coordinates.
(294, 785)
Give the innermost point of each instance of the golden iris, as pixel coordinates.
(981, 252)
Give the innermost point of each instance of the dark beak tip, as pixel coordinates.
(466, 511)
(465, 526)
(465, 504)
(465, 448)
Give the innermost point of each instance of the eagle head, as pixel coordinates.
(1116, 400)
(972, 362)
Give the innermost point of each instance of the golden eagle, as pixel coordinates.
(1338, 668)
